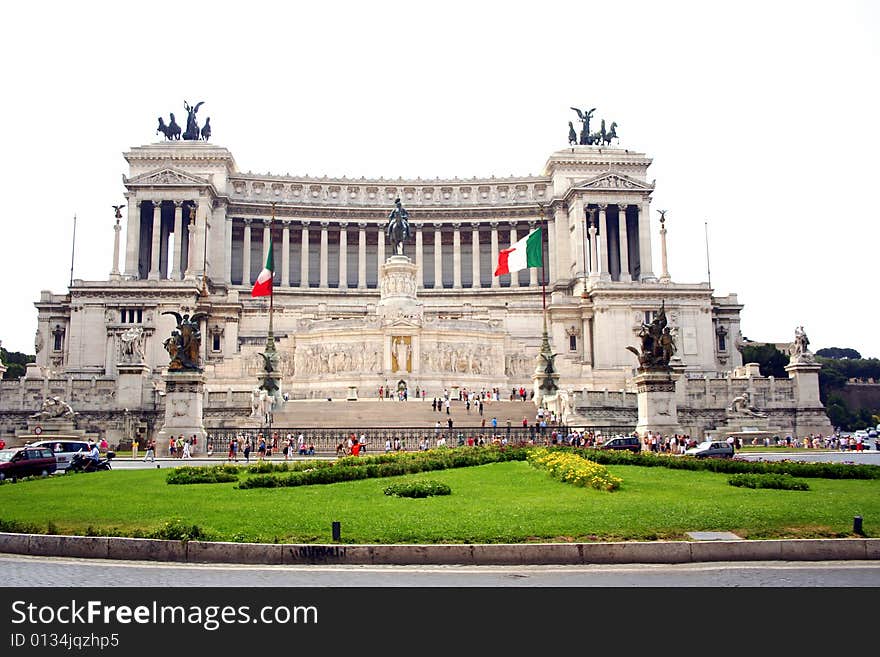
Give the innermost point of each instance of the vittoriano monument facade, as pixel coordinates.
(194, 236)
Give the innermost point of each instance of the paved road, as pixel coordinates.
(125, 462)
(30, 571)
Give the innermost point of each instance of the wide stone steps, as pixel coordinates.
(388, 413)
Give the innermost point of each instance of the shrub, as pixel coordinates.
(779, 481)
(177, 530)
(196, 474)
(572, 469)
(418, 488)
(18, 527)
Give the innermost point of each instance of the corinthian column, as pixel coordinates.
(132, 236)
(246, 254)
(362, 255)
(324, 257)
(157, 228)
(624, 244)
(114, 270)
(494, 247)
(604, 271)
(420, 276)
(178, 240)
(343, 255)
(438, 257)
(380, 249)
(304, 257)
(594, 250)
(646, 262)
(475, 256)
(285, 253)
(664, 270)
(190, 273)
(456, 256)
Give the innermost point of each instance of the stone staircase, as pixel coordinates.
(389, 413)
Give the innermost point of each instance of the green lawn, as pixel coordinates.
(500, 502)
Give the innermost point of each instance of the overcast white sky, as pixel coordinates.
(761, 117)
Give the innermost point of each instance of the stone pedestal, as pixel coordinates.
(658, 411)
(352, 393)
(130, 385)
(397, 289)
(184, 400)
(810, 416)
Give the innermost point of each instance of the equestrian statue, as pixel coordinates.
(398, 229)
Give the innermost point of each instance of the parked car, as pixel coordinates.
(18, 462)
(631, 443)
(711, 449)
(63, 450)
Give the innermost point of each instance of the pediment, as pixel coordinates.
(611, 180)
(167, 177)
(403, 322)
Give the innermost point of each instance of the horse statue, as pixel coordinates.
(171, 131)
(611, 134)
(398, 229)
(206, 129)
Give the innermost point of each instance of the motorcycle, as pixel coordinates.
(82, 463)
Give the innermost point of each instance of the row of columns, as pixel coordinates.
(362, 253)
(600, 246)
(196, 231)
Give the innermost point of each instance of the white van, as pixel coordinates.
(63, 450)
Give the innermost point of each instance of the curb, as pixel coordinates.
(142, 549)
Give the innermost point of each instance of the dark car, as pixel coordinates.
(631, 443)
(18, 462)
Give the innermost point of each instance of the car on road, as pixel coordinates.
(18, 462)
(631, 443)
(711, 449)
(63, 450)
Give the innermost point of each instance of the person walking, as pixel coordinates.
(134, 449)
(151, 451)
(187, 449)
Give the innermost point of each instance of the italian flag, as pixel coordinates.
(525, 253)
(263, 286)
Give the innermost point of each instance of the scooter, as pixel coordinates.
(82, 463)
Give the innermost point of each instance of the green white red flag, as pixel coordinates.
(527, 252)
(263, 286)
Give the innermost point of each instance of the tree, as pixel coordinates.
(15, 362)
(772, 362)
(838, 353)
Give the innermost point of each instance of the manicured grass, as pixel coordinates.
(500, 502)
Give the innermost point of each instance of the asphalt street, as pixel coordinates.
(27, 571)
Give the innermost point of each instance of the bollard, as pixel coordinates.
(857, 526)
(336, 532)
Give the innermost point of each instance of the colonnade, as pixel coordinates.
(345, 254)
(599, 241)
(167, 238)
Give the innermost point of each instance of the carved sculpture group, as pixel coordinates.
(587, 138)
(658, 344)
(185, 342)
(172, 130)
(53, 408)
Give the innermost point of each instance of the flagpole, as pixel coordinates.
(271, 337)
(542, 224)
(72, 250)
